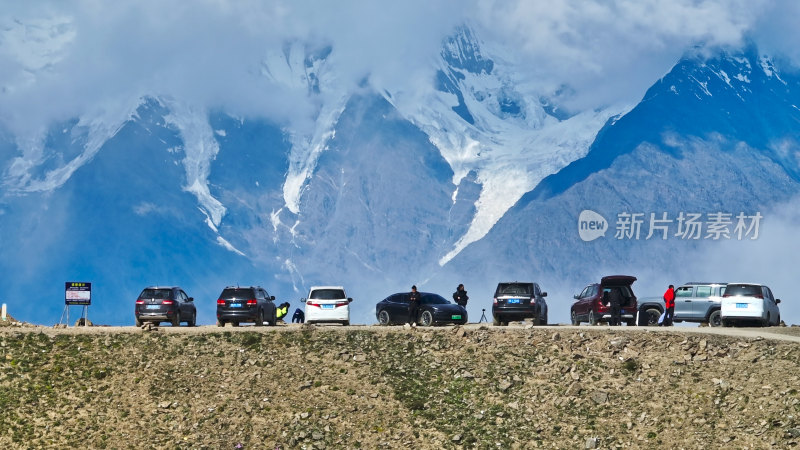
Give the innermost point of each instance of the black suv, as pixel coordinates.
(165, 304)
(516, 301)
(245, 304)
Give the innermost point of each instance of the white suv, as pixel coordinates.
(327, 304)
(750, 302)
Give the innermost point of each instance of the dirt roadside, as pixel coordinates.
(788, 334)
(476, 386)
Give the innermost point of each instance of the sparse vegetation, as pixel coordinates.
(397, 388)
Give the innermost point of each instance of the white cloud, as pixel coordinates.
(61, 60)
(610, 51)
(144, 208)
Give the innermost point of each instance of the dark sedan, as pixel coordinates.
(433, 310)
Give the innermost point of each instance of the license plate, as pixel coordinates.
(741, 305)
(236, 305)
(456, 317)
(328, 306)
(153, 306)
(513, 300)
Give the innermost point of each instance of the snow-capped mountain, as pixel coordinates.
(477, 178)
(717, 134)
(485, 120)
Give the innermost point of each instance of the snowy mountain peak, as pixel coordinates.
(462, 51)
(734, 75)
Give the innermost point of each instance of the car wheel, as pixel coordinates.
(537, 320)
(715, 318)
(544, 322)
(426, 319)
(496, 321)
(631, 322)
(346, 323)
(778, 321)
(193, 320)
(592, 318)
(652, 316)
(260, 318)
(176, 319)
(235, 324)
(766, 323)
(383, 318)
(220, 323)
(573, 318)
(137, 322)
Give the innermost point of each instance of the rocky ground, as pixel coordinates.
(371, 387)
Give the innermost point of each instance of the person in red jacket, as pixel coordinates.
(669, 305)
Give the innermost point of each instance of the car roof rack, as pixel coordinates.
(702, 282)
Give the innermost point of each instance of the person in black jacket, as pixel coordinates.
(413, 306)
(460, 296)
(614, 299)
(299, 316)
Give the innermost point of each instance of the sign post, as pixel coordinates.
(79, 294)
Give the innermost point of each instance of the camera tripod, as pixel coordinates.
(483, 316)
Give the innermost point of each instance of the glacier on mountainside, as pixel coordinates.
(485, 119)
(303, 67)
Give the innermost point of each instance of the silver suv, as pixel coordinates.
(694, 302)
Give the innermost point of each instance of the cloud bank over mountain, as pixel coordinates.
(85, 59)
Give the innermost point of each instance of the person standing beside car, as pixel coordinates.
(460, 296)
(669, 306)
(615, 304)
(413, 306)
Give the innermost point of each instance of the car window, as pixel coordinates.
(594, 290)
(514, 289)
(184, 297)
(721, 291)
(399, 298)
(747, 290)
(684, 291)
(433, 299)
(584, 293)
(229, 293)
(703, 291)
(327, 294)
(155, 293)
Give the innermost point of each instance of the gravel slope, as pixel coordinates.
(371, 387)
